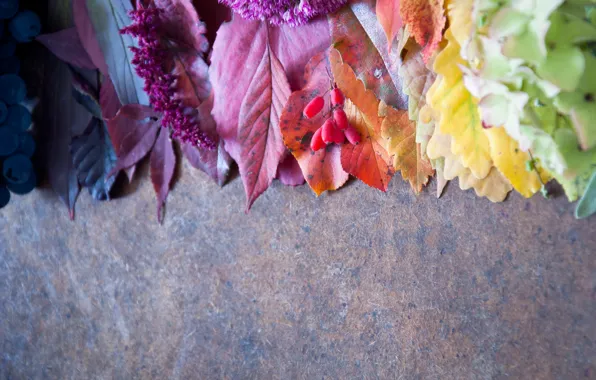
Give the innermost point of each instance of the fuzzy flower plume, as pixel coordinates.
(150, 64)
(277, 12)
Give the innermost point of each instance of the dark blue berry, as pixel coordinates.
(26, 144)
(9, 141)
(7, 48)
(4, 196)
(25, 26)
(24, 188)
(17, 169)
(8, 8)
(10, 65)
(19, 118)
(12, 89)
(3, 112)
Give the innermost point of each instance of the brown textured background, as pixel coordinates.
(353, 285)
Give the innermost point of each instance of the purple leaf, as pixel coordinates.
(216, 163)
(108, 17)
(289, 172)
(108, 99)
(67, 46)
(181, 23)
(87, 35)
(251, 65)
(93, 158)
(163, 163)
(133, 131)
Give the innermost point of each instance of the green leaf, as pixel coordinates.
(587, 205)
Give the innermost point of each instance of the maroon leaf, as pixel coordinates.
(163, 163)
(108, 99)
(87, 37)
(181, 24)
(214, 14)
(133, 130)
(67, 46)
(252, 63)
(289, 172)
(216, 163)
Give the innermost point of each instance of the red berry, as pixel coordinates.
(340, 119)
(338, 136)
(317, 142)
(313, 108)
(352, 135)
(328, 132)
(337, 97)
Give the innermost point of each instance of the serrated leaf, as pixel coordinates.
(369, 160)
(426, 20)
(93, 158)
(322, 169)
(362, 43)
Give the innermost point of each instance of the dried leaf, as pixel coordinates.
(369, 161)
(360, 39)
(400, 133)
(322, 169)
(67, 46)
(163, 163)
(426, 20)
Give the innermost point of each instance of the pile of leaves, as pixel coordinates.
(499, 94)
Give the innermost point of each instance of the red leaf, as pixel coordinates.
(360, 39)
(289, 172)
(322, 169)
(426, 19)
(163, 163)
(108, 99)
(214, 14)
(133, 131)
(252, 63)
(87, 35)
(181, 23)
(216, 163)
(388, 15)
(67, 46)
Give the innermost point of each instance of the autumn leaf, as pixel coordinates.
(289, 171)
(389, 17)
(417, 80)
(369, 160)
(400, 133)
(362, 43)
(254, 66)
(426, 20)
(322, 169)
(162, 163)
(458, 110)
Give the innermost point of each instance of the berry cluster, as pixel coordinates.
(336, 128)
(16, 144)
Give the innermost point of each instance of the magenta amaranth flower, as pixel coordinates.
(150, 64)
(291, 12)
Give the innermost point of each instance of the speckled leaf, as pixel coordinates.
(322, 169)
(362, 42)
(369, 160)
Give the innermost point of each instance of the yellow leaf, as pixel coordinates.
(511, 162)
(460, 18)
(458, 109)
(400, 133)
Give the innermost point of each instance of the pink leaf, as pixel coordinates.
(252, 63)
(215, 163)
(289, 172)
(108, 99)
(181, 23)
(133, 132)
(389, 17)
(87, 35)
(67, 46)
(163, 163)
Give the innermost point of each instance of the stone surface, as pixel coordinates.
(355, 284)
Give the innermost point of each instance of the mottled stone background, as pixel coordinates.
(352, 285)
(355, 284)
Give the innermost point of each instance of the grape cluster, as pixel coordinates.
(16, 144)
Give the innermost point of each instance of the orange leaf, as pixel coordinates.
(389, 18)
(400, 132)
(322, 169)
(426, 20)
(369, 161)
